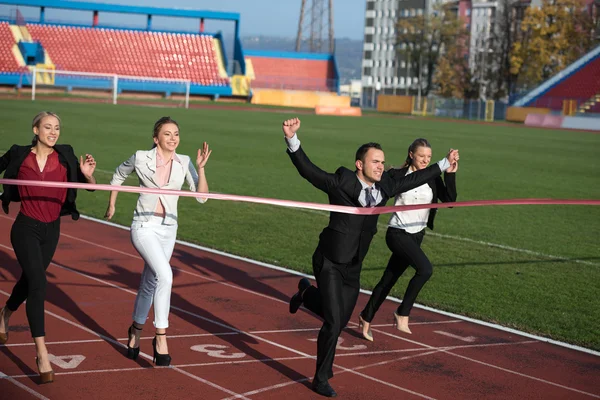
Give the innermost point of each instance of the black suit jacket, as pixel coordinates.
(11, 163)
(443, 190)
(347, 237)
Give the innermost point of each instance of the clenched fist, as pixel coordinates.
(290, 127)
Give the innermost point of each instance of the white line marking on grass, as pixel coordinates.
(22, 386)
(482, 243)
(510, 248)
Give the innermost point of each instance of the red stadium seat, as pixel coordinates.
(293, 74)
(124, 52)
(581, 86)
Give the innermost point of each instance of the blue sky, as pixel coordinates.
(258, 17)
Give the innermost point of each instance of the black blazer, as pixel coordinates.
(443, 190)
(348, 236)
(11, 163)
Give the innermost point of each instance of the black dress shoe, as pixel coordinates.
(296, 300)
(323, 388)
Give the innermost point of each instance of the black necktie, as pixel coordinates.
(370, 200)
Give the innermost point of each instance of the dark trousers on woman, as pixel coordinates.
(334, 301)
(34, 243)
(406, 251)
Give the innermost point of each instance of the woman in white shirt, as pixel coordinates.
(405, 233)
(154, 226)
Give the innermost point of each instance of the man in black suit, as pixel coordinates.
(344, 243)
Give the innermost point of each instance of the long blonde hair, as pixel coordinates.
(37, 120)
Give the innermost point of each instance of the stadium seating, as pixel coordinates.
(581, 86)
(8, 63)
(131, 52)
(293, 74)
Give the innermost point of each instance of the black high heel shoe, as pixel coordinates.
(161, 360)
(132, 352)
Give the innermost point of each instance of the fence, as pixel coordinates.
(488, 110)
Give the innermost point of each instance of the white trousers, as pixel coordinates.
(155, 242)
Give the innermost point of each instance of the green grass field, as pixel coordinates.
(518, 286)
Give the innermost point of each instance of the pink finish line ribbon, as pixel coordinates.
(299, 204)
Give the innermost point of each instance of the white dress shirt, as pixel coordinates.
(412, 221)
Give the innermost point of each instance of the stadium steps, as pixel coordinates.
(10, 62)
(219, 57)
(590, 104)
(250, 69)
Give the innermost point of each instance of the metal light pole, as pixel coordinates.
(407, 72)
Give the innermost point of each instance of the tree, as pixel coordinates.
(453, 76)
(505, 34)
(554, 36)
(421, 39)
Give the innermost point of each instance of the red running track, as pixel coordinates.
(231, 336)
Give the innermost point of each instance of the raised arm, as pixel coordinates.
(446, 188)
(197, 180)
(401, 183)
(320, 179)
(121, 173)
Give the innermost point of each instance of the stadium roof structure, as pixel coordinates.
(117, 8)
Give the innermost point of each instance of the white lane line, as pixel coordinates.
(269, 359)
(367, 292)
(414, 342)
(484, 363)
(254, 336)
(22, 386)
(117, 343)
(193, 335)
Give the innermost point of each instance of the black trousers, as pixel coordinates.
(334, 301)
(406, 250)
(34, 243)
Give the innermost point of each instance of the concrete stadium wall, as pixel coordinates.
(298, 98)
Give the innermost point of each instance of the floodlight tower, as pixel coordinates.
(316, 21)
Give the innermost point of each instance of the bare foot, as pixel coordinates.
(43, 362)
(401, 323)
(366, 328)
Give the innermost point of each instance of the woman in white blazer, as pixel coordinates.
(154, 226)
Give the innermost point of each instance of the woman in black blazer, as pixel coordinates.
(405, 235)
(36, 230)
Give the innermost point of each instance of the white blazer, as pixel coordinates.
(143, 162)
